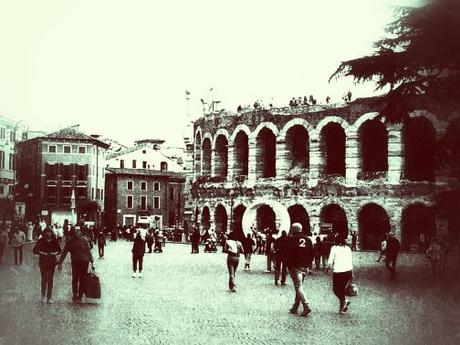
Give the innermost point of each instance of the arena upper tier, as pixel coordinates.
(319, 165)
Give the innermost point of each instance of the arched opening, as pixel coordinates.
(332, 143)
(238, 213)
(206, 218)
(220, 220)
(266, 153)
(373, 141)
(197, 160)
(419, 149)
(335, 215)
(206, 171)
(298, 214)
(297, 145)
(449, 149)
(221, 159)
(241, 149)
(373, 224)
(417, 219)
(266, 218)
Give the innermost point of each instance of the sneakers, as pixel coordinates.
(293, 310)
(50, 301)
(233, 289)
(306, 311)
(267, 271)
(134, 275)
(345, 307)
(276, 283)
(139, 275)
(43, 299)
(283, 284)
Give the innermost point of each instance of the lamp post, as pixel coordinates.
(231, 209)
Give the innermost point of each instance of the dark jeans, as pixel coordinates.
(79, 269)
(2, 250)
(149, 245)
(18, 251)
(137, 260)
(232, 265)
(390, 263)
(47, 273)
(101, 251)
(339, 283)
(280, 266)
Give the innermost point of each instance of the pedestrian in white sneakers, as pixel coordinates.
(138, 255)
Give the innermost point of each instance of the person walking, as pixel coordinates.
(248, 247)
(280, 260)
(149, 239)
(3, 242)
(299, 256)
(383, 248)
(235, 248)
(392, 252)
(80, 255)
(270, 251)
(19, 237)
(340, 259)
(195, 239)
(100, 238)
(138, 255)
(318, 251)
(434, 255)
(48, 248)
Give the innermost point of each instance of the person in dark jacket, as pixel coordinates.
(248, 246)
(101, 243)
(280, 261)
(149, 239)
(138, 255)
(81, 256)
(299, 256)
(195, 239)
(392, 254)
(48, 248)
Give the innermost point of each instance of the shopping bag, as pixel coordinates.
(351, 289)
(91, 285)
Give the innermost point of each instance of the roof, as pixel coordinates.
(73, 133)
(146, 172)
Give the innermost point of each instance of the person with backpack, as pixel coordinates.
(47, 247)
(299, 257)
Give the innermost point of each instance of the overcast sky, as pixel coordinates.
(121, 68)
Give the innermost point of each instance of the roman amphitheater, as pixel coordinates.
(322, 166)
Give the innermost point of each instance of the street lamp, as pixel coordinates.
(232, 193)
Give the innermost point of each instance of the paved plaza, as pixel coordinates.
(183, 298)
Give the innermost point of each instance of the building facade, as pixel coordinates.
(62, 176)
(323, 166)
(132, 194)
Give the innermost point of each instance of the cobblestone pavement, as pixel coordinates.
(183, 298)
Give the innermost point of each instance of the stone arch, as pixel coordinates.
(206, 148)
(206, 217)
(220, 131)
(439, 125)
(299, 214)
(265, 152)
(220, 219)
(241, 153)
(364, 118)
(332, 147)
(282, 215)
(269, 125)
(332, 119)
(297, 143)
(237, 216)
(373, 147)
(419, 155)
(197, 152)
(373, 223)
(336, 215)
(295, 122)
(241, 127)
(417, 218)
(221, 155)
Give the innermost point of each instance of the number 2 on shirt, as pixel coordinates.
(302, 242)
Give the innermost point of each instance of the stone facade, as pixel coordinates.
(340, 165)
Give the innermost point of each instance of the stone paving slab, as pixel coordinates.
(183, 298)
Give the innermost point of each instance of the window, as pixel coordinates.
(92, 193)
(52, 149)
(130, 185)
(10, 189)
(156, 202)
(171, 193)
(122, 164)
(82, 149)
(143, 185)
(98, 193)
(129, 201)
(2, 159)
(51, 194)
(50, 171)
(2, 133)
(67, 149)
(163, 166)
(13, 136)
(11, 162)
(156, 186)
(1, 189)
(134, 164)
(66, 194)
(66, 172)
(81, 172)
(144, 165)
(144, 151)
(143, 202)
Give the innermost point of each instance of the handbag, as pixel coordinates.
(352, 289)
(91, 285)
